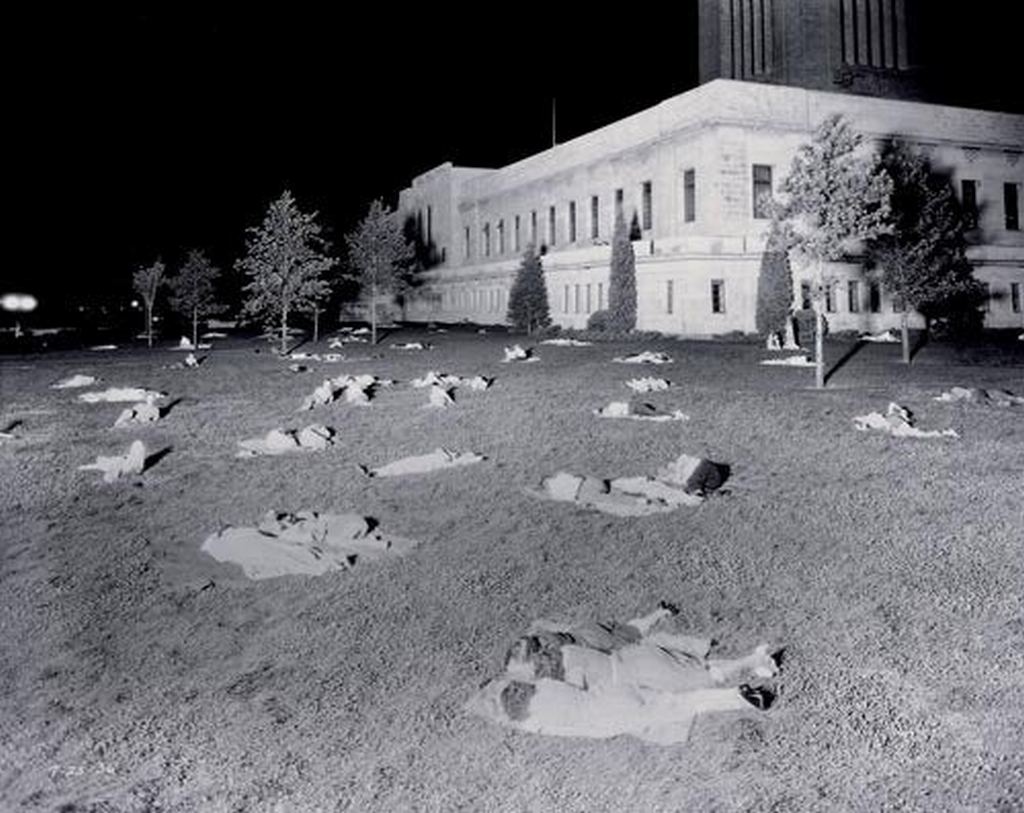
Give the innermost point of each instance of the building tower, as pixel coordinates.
(867, 47)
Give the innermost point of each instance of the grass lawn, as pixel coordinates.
(136, 673)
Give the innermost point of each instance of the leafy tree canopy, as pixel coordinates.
(285, 260)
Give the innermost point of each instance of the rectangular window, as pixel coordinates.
(1015, 297)
(1011, 206)
(897, 304)
(487, 239)
(988, 297)
(467, 242)
(551, 225)
(718, 296)
(668, 296)
(830, 297)
(805, 294)
(565, 299)
(501, 236)
(969, 201)
(515, 236)
(533, 228)
(762, 192)
(576, 298)
(874, 297)
(600, 296)
(689, 196)
(853, 296)
(572, 221)
(595, 218)
(646, 206)
(588, 298)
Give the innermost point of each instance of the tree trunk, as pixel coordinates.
(819, 333)
(149, 325)
(373, 313)
(316, 324)
(819, 347)
(284, 329)
(905, 330)
(195, 327)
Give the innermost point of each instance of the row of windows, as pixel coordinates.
(855, 302)
(498, 243)
(854, 297)
(761, 196)
(487, 300)
(588, 297)
(582, 299)
(1011, 204)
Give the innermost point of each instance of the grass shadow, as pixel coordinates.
(156, 457)
(919, 345)
(166, 410)
(842, 361)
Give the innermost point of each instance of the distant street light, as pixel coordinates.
(19, 303)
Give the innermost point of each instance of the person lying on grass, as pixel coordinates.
(603, 680)
(601, 654)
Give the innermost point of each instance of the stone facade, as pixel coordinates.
(688, 170)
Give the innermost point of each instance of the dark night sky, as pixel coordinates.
(140, 135)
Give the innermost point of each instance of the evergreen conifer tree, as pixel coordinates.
(622, 280)
(528, 308)
(774, 287)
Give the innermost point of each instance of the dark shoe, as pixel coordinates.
(672, 608)
(757, 696)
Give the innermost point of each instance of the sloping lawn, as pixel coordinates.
(136, 673)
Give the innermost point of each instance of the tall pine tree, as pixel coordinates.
(622, 280)
(774, 287)
(528, 308)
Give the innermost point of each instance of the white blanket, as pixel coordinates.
(646, 357)
(312, 438)
(77, 380)
(898, 422)
(115, 394)
(306, 543)
(648, 384)
(645, 412)
(132, 462)
(789, 361)
(143, 412)
(425, 463)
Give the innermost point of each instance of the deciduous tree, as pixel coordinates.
(923, 257)
(146, 282)
(833, 198)
(285, 260)
(380, 256)
(192, 289)
(528, 308)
